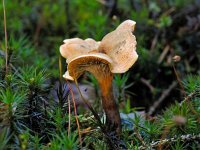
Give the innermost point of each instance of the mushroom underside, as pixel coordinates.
(100, 68)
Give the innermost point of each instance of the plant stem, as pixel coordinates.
(6, 37)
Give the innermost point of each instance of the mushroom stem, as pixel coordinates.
(104, 77)
(109, 104)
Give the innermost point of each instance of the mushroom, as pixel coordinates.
(116, 53)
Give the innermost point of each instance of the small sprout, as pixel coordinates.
(176, 58)
(179, 120)
(114, 17)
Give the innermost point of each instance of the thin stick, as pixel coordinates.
(178, 77)
(69, 114)
(163, 54)
(164, 94)
(148, 84)
(76, 116)
(179, 81)
(6, 37)
(183, 138)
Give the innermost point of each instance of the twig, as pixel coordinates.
(187, 98)
(164, 94)
(179, 81)
(191, 95)
(177, 76)
(147, 83)
(184, 94)
(38, 29)
(6, 36)
(76, 116)
(182, 138)
(154, 41)
(163, 54)
(169, 11)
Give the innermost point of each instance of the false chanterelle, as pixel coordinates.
(116, 53)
